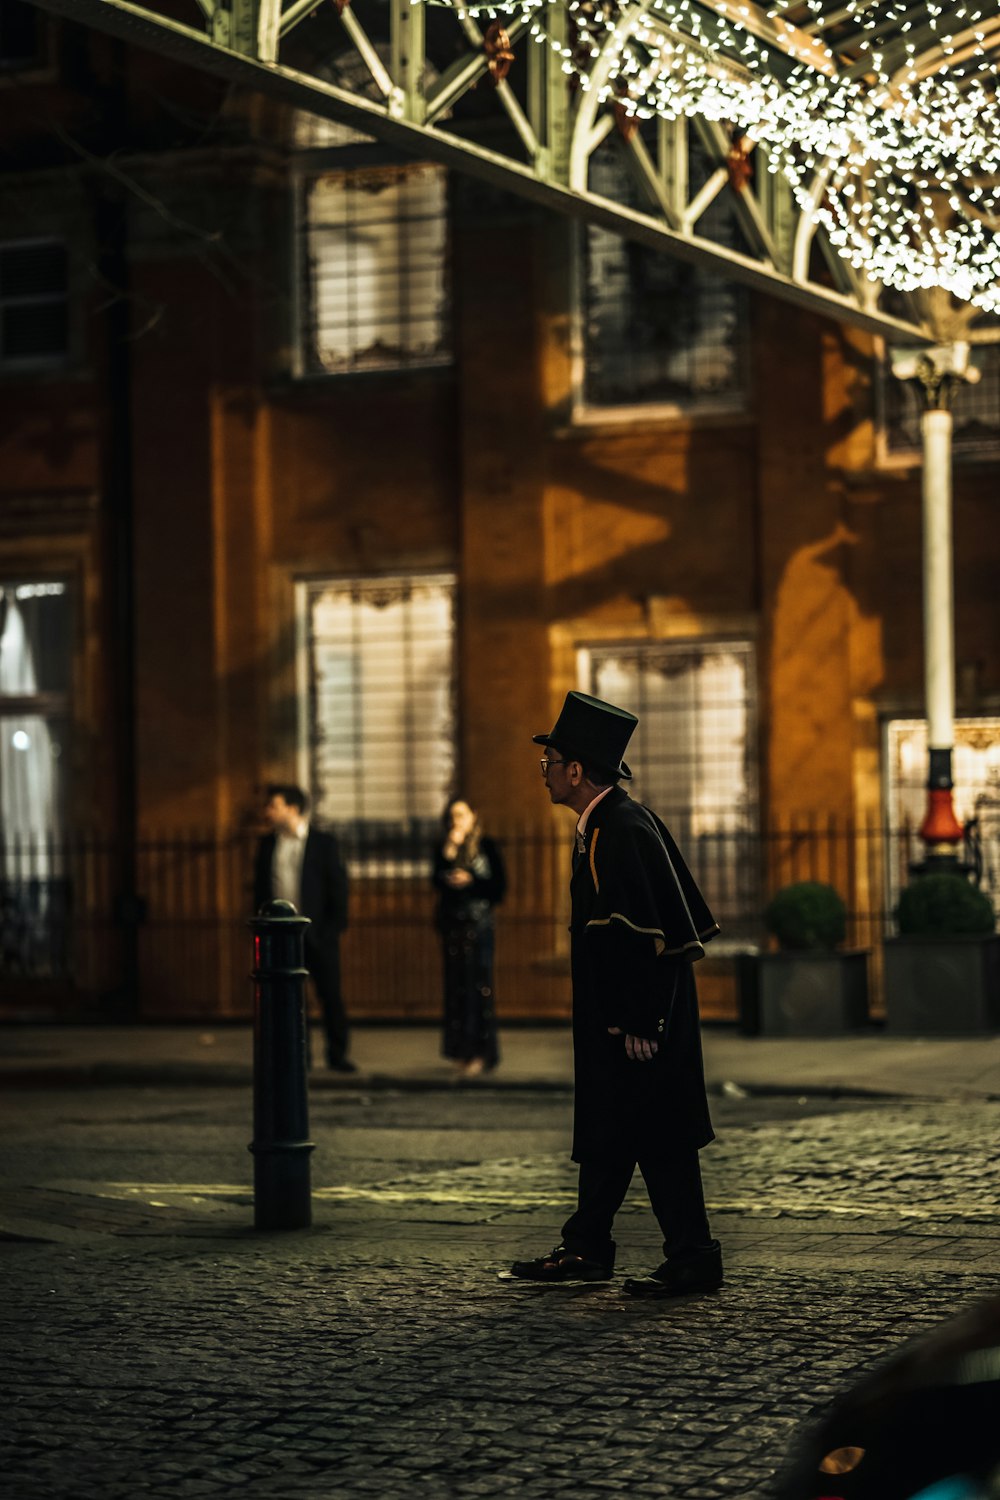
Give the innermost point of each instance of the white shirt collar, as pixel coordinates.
(581, 827)
(302, 832)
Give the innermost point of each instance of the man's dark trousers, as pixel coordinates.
(675, 1190)
(323, 963)
(323, 899)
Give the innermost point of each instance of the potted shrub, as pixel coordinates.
(811, 986)
(942, 973)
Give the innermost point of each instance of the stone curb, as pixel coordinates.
(238, 1075)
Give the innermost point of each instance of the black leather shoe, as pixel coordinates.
(682, 1276)
(342, 1066)
(563, 1265)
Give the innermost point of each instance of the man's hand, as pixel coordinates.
(458, 879)
(637, 1048)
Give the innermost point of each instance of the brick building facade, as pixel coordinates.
(321, 465)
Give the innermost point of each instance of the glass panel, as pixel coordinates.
(31, 785)
(35, 641)
(655, 329)
(32, 268)
(34, 685)
(35, 658)
(34, 312)
(35, 330)
(20, 34)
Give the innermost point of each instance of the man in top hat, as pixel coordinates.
(638, 922)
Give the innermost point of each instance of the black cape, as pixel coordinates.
(638, 923)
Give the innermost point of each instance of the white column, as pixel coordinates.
(939, 630)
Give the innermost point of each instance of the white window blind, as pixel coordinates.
(380, 658)
(375, 270)
(693, 755)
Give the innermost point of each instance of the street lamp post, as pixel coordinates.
(938, 371)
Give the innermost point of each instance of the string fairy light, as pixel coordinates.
(883, 117)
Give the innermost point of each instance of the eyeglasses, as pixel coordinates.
(545, 763)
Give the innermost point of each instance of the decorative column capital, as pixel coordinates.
(938, 369)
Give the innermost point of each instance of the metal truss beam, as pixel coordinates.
(555, 133)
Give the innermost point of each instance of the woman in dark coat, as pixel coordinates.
(470, 880)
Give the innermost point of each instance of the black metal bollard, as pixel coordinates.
(281, 1144)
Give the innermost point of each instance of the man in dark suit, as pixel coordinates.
(302, 864)
(638, 921)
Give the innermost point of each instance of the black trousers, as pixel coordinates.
(323, 963)
(470, 1028)
(675, 1191)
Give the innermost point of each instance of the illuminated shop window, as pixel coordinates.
(34, 708)
(34, 721)
(655, 330)
(976, 796)
(374, 262)
(34, 304)
(378, 721)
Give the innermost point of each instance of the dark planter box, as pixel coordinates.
(803, 994)
(942, 986)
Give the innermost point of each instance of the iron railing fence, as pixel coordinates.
(65, 923)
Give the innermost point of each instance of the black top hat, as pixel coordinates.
(594, 730)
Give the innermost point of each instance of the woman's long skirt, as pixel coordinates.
(470, 1028)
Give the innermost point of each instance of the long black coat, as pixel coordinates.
(323, 885)
(638, 922)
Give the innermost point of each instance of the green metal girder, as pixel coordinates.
(241, 42)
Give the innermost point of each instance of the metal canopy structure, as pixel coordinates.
(819, 118)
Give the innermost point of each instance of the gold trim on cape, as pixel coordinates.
(593, 866)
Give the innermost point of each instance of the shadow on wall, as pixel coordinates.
(815, 675)
(674, 516)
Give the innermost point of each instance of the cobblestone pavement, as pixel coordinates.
(907, 1168)
(161, 1347)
